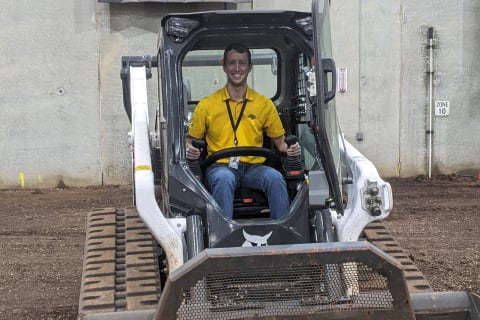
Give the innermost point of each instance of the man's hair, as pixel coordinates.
(240, 48)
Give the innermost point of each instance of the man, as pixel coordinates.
(234, 116)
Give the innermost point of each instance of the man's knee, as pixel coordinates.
(221, 176)
(275, 176)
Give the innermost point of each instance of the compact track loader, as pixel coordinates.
(174, 254)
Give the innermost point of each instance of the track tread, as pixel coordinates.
(378, 234)
(120, 270)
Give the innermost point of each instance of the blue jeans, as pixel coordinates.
(223, 180)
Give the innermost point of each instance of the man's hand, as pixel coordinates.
(294, 150)
(192, 152)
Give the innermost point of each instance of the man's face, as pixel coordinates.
(237, 68)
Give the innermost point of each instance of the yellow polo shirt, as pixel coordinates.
(210, 121)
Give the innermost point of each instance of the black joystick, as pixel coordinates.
(293, 165)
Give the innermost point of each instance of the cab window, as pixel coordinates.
(203, 74)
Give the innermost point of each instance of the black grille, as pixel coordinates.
(303, 281)
(285, 291)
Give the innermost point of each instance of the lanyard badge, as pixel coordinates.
(234, 161)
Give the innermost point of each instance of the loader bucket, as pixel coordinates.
(353, 280)
(447, 305)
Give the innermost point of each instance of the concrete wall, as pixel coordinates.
(60, 92)
(383, 45)
(50, 127)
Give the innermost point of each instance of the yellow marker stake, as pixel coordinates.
(21, 177)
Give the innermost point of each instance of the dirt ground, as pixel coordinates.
(436, 221)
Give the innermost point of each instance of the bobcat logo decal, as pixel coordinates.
(252, 240)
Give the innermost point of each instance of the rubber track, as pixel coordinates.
(377, 234)
(120, 270)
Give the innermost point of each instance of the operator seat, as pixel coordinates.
(247, 203)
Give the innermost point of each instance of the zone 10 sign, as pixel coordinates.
(442, 108)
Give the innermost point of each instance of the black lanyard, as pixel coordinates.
(235, 125)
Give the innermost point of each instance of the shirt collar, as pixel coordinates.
(226, 95)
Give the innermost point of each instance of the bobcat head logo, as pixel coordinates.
(254, 240)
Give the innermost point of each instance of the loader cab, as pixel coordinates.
(292, 66)
(202, 74)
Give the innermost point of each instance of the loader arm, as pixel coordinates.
(167, 232)
(370, 197)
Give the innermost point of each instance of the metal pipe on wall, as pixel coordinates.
(430, 89)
